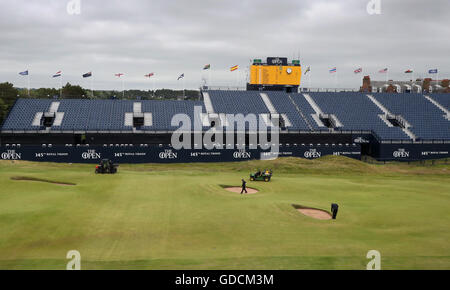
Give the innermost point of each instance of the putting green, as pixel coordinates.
(180, 217)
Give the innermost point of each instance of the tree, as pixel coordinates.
(8, 95)
(3, 111)
(44, 93)
(73, 92)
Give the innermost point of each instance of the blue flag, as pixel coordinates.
(308, 69)
(24, 73)
(433, 71)
(87, 75)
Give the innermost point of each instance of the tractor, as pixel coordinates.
(265, 175)
(106, 166)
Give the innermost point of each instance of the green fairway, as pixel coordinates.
(180, 217)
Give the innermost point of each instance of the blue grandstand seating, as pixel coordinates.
(283, 105)
(356, 113)
(98, 115)
(306, 109)
(233, 102)
(442, 99)
(427, 121)
(23, 112)
(163, 111)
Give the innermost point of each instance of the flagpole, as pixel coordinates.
(153, 81)
(60, 85)
(336, 80)
(309, 80)
(123, 89)
(210, 80)
(92, 86)
(437, 77)
(184, 89)
(28, 78)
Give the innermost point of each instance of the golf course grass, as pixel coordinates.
(180, 216)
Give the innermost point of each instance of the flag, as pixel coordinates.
(333, 70)
(233, 68)
(208, 66)
(180, 77)
(119, 75)
(149, 75)
(408, 71)
(359, 70)
(58, 74)
(308, 69)
(87, 75)
(383, 71)
(24, 73)
(433, 71)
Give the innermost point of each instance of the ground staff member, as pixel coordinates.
(244, 186)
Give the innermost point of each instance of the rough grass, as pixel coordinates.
(178, 216)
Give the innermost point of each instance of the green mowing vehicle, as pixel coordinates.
(265, 175)
(106, 166)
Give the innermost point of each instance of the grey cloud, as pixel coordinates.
(174, 37)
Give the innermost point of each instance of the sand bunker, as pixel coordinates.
(238, 190)
(314, 213)
(26, 178)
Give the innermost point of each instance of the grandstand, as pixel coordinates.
(345, 123)
(96, 115)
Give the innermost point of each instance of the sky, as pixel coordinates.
(181, 36)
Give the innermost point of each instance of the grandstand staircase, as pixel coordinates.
(388, 115)
(208, 104)
(138, 118)
(268, 103)
(434, 102)
(211, 118)
(56, 117)
(274, 115)
(332, 120)
(301, 113)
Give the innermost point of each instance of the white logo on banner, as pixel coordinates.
(277, 61)
(241, 154)
(11, 155)
(361, 140)
(313, 153)
(168, 154)
(90, 154)
(401, 153)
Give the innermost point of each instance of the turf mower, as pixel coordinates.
(106, 166)
(265, 175)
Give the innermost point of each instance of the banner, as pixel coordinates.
(166, 154)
